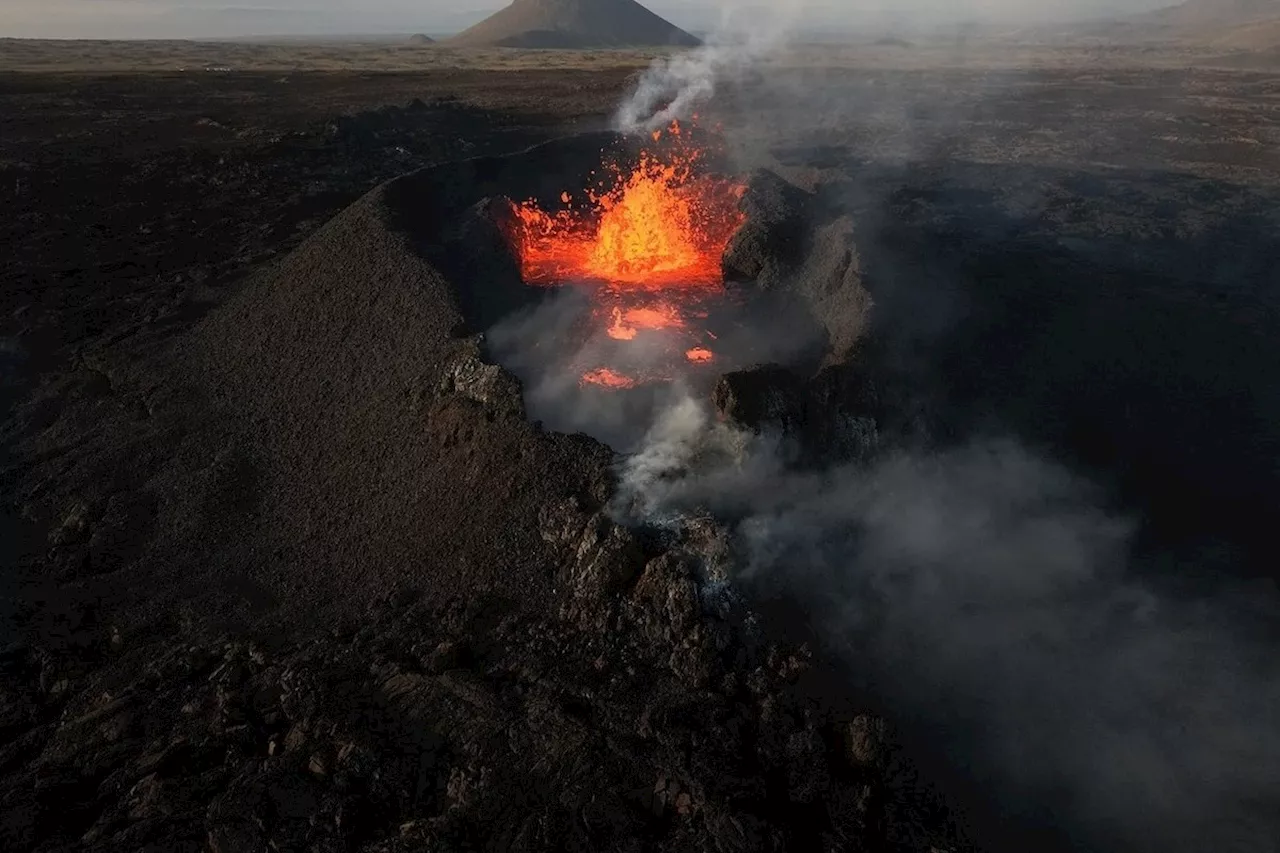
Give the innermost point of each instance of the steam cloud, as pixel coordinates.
(672, 88)
(988, 597)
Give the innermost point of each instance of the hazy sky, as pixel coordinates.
(209, 18)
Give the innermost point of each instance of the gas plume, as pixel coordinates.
(673, 87)
(983, 593)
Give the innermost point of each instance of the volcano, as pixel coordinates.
(571, 24)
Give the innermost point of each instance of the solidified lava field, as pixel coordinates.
(310, 548)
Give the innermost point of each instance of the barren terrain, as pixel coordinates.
(243, 609)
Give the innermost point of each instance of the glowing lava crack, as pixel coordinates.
(649, 243)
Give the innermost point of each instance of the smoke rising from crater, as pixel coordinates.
(673, 88)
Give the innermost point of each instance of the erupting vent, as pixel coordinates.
(648, 241)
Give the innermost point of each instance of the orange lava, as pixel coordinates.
(663, 224)
(660, 316)
(607, 378)
(619, 330)
(626, 324)
(651, 239)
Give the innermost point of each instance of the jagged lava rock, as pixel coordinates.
(770, 395)
(770, 242)
(789, 247)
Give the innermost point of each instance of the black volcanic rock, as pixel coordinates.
(770, 242)
(667, 595)
(203, 654)
(789, 249)
(835, 415)
(793, 259)
(760, 397)
(482, 266)
(830, 282)
(348, 361)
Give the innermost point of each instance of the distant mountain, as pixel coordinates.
(573, 24)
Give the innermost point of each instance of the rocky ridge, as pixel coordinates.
(493, 663)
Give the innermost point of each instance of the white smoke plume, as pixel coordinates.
(674, 87)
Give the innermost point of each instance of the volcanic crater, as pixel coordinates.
(608, 272)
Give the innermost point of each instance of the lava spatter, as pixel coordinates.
(649, 245)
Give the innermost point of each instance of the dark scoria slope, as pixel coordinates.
(377, 609)
(338, 360)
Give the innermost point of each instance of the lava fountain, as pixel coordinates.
(647, 242)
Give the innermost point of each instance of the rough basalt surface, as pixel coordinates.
(836, 415)
(771, 242)
(792, 250)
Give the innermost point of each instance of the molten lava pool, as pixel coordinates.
(647, 242)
